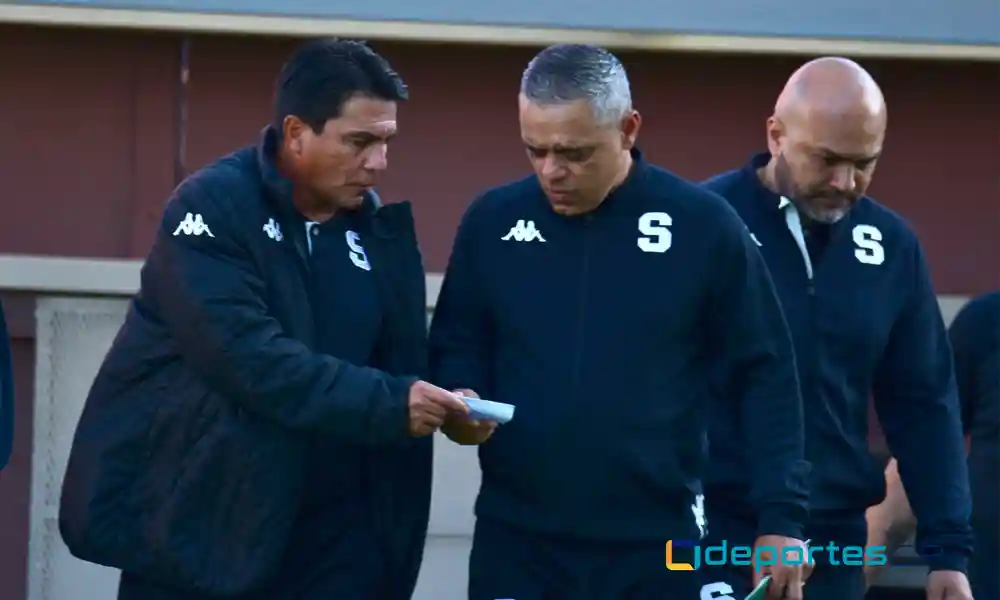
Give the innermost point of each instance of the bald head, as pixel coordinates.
(832, 87)
(826, 136)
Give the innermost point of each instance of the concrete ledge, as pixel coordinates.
(96, 277)
(478, 34)
(61, 275)
(111, 277)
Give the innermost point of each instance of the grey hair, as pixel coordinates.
(571, 72)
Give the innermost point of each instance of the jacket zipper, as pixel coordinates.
(794, 223)
(581, 326)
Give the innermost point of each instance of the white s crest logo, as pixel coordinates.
(357, 252)
(655, 230)
(869, 250)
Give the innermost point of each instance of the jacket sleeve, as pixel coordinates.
(754, 345)
(962, 335)
(461, 330)
(209, 294)
(918, 408)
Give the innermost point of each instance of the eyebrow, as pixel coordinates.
(557, 147)
(855, 158)
(369, 135)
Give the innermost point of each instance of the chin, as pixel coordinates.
(830, 217)
(352, 202)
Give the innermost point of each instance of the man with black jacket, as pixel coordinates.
(598, 296)
(260, 429)
(975, 340)
(975, 343)
(858, 298)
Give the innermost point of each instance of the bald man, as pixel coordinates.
(865, 322)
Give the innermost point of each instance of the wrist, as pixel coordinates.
(941, 557)
(775, 521)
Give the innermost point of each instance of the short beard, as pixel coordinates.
(785, 186)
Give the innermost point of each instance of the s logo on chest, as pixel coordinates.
(655, 230)
(868, 247)
(357, 252)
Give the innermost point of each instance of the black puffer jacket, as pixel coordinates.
(188, 461)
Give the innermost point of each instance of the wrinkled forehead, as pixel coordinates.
(845, 133)
(370, 116)
(565, 124)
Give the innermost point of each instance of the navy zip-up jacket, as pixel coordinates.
(865, 322)
(603, 330)
(189, 464)
(975, 340)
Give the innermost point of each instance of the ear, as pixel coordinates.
(775, 134)
(293, 130)
(630, 129)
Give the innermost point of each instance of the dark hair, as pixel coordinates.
(322, 75)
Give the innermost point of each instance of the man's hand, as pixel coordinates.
(948, 585)
(464, 431)
(786, 579)
(890, 523)
(430, 406)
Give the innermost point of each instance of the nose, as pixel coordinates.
(377, 158)
(844, 179)
(551, 169)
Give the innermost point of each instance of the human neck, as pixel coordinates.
(307, 204)
(766, 176)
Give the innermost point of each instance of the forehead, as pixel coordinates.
(365, 115)
(847, 134)
(563, 124)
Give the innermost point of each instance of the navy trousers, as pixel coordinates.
(508, 564)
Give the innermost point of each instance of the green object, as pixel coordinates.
(760, 591)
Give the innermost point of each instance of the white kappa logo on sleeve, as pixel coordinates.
(193, 225)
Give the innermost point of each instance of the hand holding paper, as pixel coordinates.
(489, 411)
(478, 425)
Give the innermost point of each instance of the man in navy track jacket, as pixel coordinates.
(259, 429)
(858, 298)
(599, 295)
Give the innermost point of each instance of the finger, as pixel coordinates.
(430, 409)
(467, 393)
(421, 430)
(434, 420)
(794, 586)
(448, 401)
(777, 589)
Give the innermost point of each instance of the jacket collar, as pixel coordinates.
(766, 196)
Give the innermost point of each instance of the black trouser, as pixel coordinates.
(332, 555)
(507, 563)
(829, 580)
(983, 569)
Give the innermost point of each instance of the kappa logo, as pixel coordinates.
(524, 232)
(193, 225)
(273, 230)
